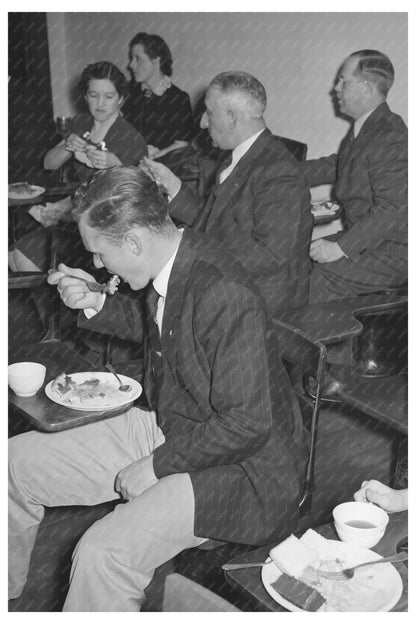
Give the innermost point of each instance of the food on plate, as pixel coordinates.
(325, 548)
(90, 391)
(357, 594)
(292, 556)
(324, 207)
(298, 593)
(23, 188)
(302, 560)
(112, 285)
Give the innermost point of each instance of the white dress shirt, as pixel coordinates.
(237, 155)
(160, 284)
(358, 123)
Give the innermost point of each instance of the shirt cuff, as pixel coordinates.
(170, 197)
(90, 312)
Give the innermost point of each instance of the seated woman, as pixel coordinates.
(160, 111)
(100, 138)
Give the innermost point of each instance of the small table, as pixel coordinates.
(249, 580)
(20, 206)
(39, 410)
(334, 321)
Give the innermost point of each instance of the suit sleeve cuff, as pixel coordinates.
(90, 312)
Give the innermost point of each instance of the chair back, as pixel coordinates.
(183, 595)
(308, 355)
(298, 149)
(381, 349)
(185, 163)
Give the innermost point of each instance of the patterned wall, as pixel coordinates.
(295, 55)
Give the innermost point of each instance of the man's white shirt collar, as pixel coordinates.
(160, 284)
(238, 153)
(161, 281)
(358, 123)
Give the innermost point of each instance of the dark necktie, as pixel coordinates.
(346, 147)
(224, 165)
(153, 376)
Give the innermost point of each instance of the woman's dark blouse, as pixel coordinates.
(121, 139)
(129, 146)
(161, 119)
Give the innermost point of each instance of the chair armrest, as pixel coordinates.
(26, 279)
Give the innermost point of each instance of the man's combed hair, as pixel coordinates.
(117, 199)
(245, 84)
(375, 67)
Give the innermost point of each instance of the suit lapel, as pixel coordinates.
(176, 287)
(223, 194)
(369, 128)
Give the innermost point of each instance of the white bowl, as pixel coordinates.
(25, 378)
(360, 524)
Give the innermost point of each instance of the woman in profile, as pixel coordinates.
(158, 109)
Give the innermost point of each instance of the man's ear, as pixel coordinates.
(133, 242)
(232, 115)
(370, 89)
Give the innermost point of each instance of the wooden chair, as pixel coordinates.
(308, 356)
(183, 595)
(29, 280)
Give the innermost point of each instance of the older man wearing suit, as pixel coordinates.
(259, 206)
(216, 457)
(370, 176)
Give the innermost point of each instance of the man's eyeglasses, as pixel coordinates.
(342, 81)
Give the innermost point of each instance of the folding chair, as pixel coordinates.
(31, 280)
(181, 595)
(308, 355)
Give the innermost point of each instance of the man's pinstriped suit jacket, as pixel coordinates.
(225, 401)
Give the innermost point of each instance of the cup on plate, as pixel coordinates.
(360, 524)
(25, 378)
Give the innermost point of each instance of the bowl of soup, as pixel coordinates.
(360, 524)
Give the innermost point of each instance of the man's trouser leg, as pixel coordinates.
(73, 467)
(115, 559)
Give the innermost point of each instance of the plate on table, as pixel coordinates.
(91, 391)
(24, 190)
(376, 588)
(325, 211)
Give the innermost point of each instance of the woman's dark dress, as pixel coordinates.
(161, 119)
(123, 140)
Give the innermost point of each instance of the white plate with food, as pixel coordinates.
(92, 391)
(323, 210)
(372, 589)
(24, 190)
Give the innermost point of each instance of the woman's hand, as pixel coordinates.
(74, 293)
(75, 143)
(161, 175)
(101, 159)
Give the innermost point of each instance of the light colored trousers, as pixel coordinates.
(115, 559)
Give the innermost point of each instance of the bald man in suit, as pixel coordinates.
(259, 206)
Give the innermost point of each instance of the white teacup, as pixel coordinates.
(25, 378)
(360, 524)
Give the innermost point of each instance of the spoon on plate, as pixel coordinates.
(122, 387)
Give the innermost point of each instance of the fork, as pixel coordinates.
(93, 286)
(347, 573)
